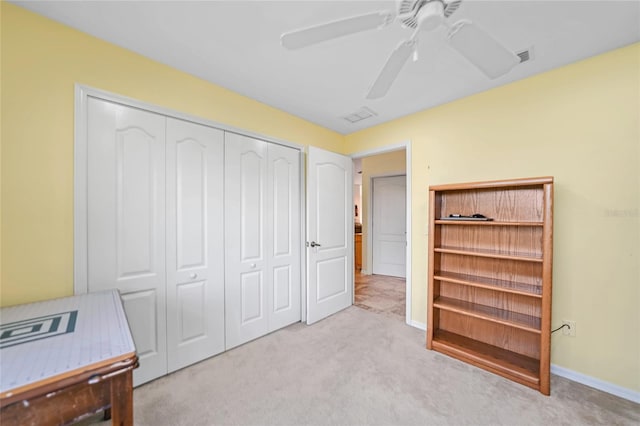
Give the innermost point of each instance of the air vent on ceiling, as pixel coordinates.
(525, 55)
(362, 114)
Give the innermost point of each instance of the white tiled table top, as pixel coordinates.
(46, 339)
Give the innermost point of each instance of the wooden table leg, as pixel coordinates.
(122, 399)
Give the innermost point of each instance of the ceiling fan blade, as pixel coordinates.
(391, 69)
(481, 49)
(316, 34)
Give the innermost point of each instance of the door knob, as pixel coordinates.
(314, 244)
(193, 275)
(253, 266)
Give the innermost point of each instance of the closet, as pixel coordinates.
(198, 228)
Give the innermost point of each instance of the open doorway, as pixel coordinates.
(382, 237)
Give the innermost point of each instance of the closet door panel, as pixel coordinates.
(251, 191)
(283, 247)
(126, 221)
(195, 255)
(246, 278)
(252, 295)
(142, 311)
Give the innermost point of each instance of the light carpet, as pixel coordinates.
(359, 367)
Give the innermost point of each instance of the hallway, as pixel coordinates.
(381, 294)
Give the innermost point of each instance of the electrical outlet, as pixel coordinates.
(570, 330)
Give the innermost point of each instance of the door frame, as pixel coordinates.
(80, 219)
(370, 218)
(406, 145)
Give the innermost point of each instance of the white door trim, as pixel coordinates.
(80, 199)
(406, 145)
(80, 235)
(303, 234)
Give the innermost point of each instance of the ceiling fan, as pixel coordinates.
(473, 43)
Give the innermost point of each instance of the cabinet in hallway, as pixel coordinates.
(358, 251)
(262, 238)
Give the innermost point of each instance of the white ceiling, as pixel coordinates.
(236, 44)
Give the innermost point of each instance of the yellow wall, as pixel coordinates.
(377, 165)
(580, 124)
(41, 62)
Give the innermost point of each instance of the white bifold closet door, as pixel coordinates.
(154, 224)
(195, 234)
(262, 238)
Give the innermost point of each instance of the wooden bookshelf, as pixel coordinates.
(489, 298)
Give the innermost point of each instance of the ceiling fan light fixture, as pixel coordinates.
(431, 15)
(482, 50)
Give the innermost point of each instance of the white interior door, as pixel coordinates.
(126, 222)
(329, 233)
(246, 276)
(195, 242)
(389, 230)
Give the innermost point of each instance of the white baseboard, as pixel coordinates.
(616, 390)
(592, 382)
(607, 387)
(417, 324)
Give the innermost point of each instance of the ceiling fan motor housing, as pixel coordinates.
(426, 14)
